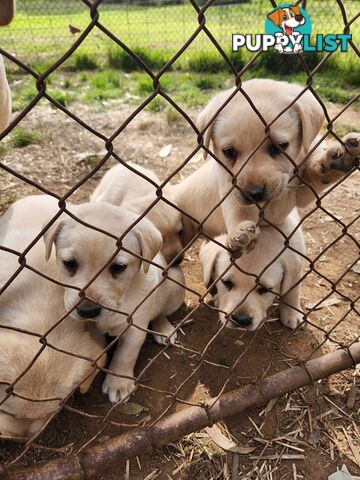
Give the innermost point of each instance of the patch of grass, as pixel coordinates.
(83, 77)
(237, 60)
(120, 59)
(341, 129)
(205, 61)
(104, 86)
(105, 80)
(62, 97)
(145, 85)
(23, 97)
(206, 82)
(172, 115)
(191, 97)
(84, 61)
(282, 64)
(156, 105)
(336, 95)
(351, 75)
(67, 83)
(21, 138)
(2, 150)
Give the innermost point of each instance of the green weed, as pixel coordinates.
(21, 138)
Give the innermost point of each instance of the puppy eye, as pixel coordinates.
(262, 290)
(278, 149)
(180, 232)
(116, 269)
(230, 154)
(228, 284)
(71, 266)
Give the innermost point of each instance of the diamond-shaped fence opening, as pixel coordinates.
(238, 371)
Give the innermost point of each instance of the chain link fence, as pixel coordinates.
(102, 444)
(43, 27)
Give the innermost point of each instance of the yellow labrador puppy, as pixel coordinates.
(246, 293)
(122, 186)
(237, 134)
(33, 306)
(124, 286)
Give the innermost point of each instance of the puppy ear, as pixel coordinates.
(50, 237)
(203, 119)
(207, 114)
(7, 10)
(275, 17)
(311, 117)
(295, 9)
(150, 240)
(207, 256)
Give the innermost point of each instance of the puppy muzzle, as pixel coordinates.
(88, 310)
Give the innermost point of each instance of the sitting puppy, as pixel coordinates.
(246, 293)
(262, 168)
(42, 377)
(122, 186)
(118, 285)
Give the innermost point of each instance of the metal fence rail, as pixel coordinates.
(91, 461)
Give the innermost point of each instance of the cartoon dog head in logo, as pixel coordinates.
(287, 18)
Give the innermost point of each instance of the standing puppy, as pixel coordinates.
(261, 168)
(122, 186)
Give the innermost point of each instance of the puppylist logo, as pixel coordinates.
(288, 30)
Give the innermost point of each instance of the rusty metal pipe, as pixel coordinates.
(96, 459)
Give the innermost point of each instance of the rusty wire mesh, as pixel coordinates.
(204, 357)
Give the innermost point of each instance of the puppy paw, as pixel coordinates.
(291, 318)
(341, 159)
(162, 340)
(117, 388)
(244, 238)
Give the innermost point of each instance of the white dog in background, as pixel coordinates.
(122, 186)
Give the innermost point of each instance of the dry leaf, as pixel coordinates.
(165, 151)
(342, 474)
(326, 303)
(269, 406)
(356, 268)
(225, 443)
(130, 408)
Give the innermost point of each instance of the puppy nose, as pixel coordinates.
(255, 194)
(242, 320)
(298, 18)
(88, 310)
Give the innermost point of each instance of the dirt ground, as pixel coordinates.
(304, 435)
